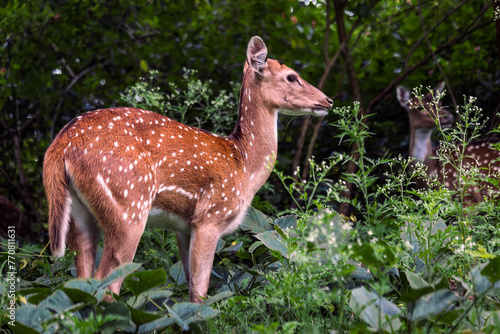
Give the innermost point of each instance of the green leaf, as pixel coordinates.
(156, 325)
(57, 302)
(220, 245)
(414, 280)
(40, 294)
(97, 287)
(254, 246)
(243, 254)
(287, 222)
(143, 64)
(79, 296)
(273, 241)
(177, 273)
(233, 248)
(433, 304)
(121, 317)
(140, 317)
(31, 317)
(483, 284)
(256, 222)
(139, 282)
(218, 297)
(418, 287)
(492, 270)
(374, 255)
(376, 311)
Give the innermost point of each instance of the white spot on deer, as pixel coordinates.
(125, 193)
(184, 192)
(106, 189)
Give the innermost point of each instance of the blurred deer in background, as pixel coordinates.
(423, 115)
(117, 169)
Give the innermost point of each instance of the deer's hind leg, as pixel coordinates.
(121, 238)
(83, 236)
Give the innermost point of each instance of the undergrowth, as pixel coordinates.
(408, 260)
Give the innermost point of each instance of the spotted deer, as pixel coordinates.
(478, 154)
(118, 169)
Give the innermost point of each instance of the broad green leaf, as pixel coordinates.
(374, 255)
(413, 294)
(98, 287)
(481, 283)
(156, 325)
(287, 222)
(254, 246)
(79, 296)
(243, 254)
(233, 248)
(121, 317)
(140, 317)
(433, 304)
(492, 270)
(58, 302)
(32, 318)
(273, 241)
(39, 294)
(256, 222)
(220, 245)
(218, 297)
(376, 311)
(414, 280)
(141, 281)
(177, 273)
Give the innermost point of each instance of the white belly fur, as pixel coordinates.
(167, 221)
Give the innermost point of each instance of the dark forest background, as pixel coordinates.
(62, 58)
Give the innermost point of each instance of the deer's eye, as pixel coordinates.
(291, 78)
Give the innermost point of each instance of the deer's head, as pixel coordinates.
(424, 112)
(281, 88)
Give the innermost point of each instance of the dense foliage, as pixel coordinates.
(402, 260)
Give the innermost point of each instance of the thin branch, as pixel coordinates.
(425, 36)
(424, 60)
(436, 61)
(327, 32)
(68, 88)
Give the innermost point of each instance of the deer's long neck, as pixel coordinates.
(421, 148)
(255, 134)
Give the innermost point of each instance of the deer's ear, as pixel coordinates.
(439, 88)
(257, 54)
(403, 96)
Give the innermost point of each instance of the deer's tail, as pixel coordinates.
(55, 180)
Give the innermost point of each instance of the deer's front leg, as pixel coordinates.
(201, 255)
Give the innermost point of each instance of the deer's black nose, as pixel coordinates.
(329, 100)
